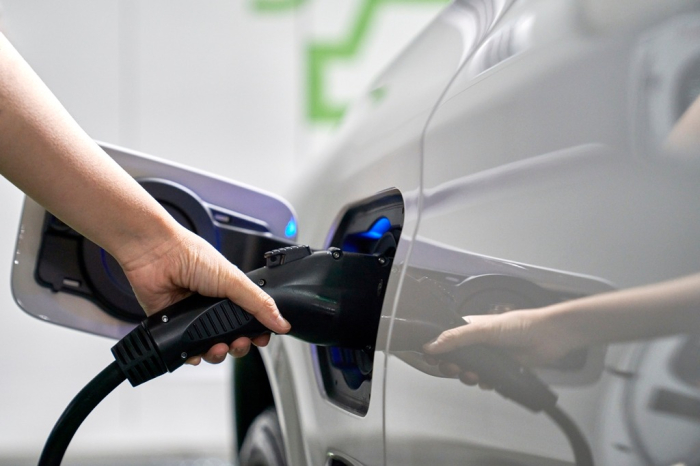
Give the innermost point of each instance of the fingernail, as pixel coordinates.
(282, 322)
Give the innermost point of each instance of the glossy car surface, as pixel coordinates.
(518, 153)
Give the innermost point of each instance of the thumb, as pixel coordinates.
(242, 291)
(456, 337)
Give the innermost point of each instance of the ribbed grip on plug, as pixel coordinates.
(220, 319)
(138, 357)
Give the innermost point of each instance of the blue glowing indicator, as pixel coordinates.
(378, 229)
(291, 229)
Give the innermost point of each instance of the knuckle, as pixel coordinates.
(448, 336)
(268, 303)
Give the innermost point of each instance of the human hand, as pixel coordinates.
(186, 264)
(531, 337)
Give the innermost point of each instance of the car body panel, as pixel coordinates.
(532, 159)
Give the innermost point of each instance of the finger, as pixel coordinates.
(449, 369)
(454, 338)
(431, 360)
(261, 340)
(253, 299)
(485, 386)
(194, 360)
(216, 353)
(239, 347)
(469, 378)
(239, 352)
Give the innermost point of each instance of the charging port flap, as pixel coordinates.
(61, 277)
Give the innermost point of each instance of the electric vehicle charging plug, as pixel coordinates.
(330, 298)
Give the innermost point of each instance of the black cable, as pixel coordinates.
(579, 445)
(76, 412)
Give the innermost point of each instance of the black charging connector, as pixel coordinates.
(330, 298)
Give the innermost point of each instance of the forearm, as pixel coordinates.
(46, 154)
(660, 309)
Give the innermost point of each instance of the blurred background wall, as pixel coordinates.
(238, 88)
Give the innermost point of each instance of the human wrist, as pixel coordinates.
(563, 322)
(147, 240)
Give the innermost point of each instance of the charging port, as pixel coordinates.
(370, 226)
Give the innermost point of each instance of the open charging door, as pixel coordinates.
(61, 277)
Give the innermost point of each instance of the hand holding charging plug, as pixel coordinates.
(168, 273)
(332, 298)
(48, 156)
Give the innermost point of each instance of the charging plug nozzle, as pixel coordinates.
(330, 298)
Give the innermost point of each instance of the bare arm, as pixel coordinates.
(660, 309)
(45, 153)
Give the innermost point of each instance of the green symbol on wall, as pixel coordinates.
(319, 55)
(265, 6)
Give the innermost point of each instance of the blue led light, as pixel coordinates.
(291, 229)
(378, 229)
